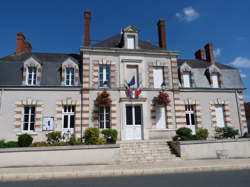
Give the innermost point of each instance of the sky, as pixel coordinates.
(57, 26)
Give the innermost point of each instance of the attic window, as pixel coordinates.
(131, 42)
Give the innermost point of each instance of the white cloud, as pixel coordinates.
(241, 62)
(242, 75)
(187, 14)
(217, 52)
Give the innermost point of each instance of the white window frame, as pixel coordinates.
(33, 76)
(130, 41)
(215, 80)
(157, 70)
(186, 79)
(29, 118)
(71, 79)
(105, 121)
(69, 112)
(189, 111)
(221, 115)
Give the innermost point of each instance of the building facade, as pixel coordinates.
(141, 90)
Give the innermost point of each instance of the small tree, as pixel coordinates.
(202, 133)
(91, 136)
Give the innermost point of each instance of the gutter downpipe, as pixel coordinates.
(238, 112)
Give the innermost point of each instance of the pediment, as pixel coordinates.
(131, 29)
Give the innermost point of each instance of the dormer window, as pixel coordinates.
(70, 77)
(215, 80)
(130, 37)
(186, 80)
(32, 76)
(131, 42)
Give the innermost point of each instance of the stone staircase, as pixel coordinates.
(145, 151)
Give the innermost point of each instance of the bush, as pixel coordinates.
(246, 135)
(91, 136)
(225, 132)
(202, 134)
(53, 137)
(110, 135)
(101, 140)
(9, 144)
(39, 144)
(25, 140)
(182, 132)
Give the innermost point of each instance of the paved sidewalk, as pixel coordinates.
(176, 166)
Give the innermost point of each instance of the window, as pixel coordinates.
(70, 77)
(132, 71)
(31, 77)
(68, 117)
(158, 77)
(130, 42)
(214, 79)
(104, 75)
(160, 117)
(104, 117)
(29, 118)
(133, 115)
(219, 112)
(186, 80)
(190, 114)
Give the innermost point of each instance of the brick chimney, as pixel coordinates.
(209, 52)
(162, 34)
(22, 46)
(87, 18)
(200, 54)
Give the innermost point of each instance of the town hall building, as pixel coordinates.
(142, 90)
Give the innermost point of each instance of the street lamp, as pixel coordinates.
(163, 86)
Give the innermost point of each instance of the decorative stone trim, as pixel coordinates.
(226, 108)
(19, 114)
(86, 71)
(59, 108)
(174, 75)
(242, 113)
(31, 62)
(186, 68)
(166, 73)
(69, 63)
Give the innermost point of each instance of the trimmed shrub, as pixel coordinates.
(25, 140)
(91, 136)
(202, 133)
(53, 137)
(225, 132)
(39, 144)
(181, 132)
(110, 135)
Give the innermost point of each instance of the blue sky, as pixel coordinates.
(57, 25)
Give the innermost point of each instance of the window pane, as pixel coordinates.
(131, 42)
(101, 75)
(129, 118)
(26, 118)
(32, 118)
(108, 75)
(73, 108)
(65, 121)
(186, 80)
(72, 121)
(32, 110)
(26, 110)
(192, 119)
(25, 126)
(138, 115)
(187, 119)
(107, 117)
(32, 126)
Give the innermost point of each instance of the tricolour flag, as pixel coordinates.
(132, 82)
(138, 91)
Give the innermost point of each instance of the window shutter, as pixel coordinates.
(219, 116)
(186, 80)
(131, 42)
(215, 82)
(158, 77)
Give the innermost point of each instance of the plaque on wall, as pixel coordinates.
(48, 123)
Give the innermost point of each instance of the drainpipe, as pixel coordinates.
(173, 94)
(238, 112)
(81, 91)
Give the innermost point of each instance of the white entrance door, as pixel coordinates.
(219, 116)
(133, 128)
(190, 117)
(160, 115)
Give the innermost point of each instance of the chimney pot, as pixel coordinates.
(209, 52)
(162, 34)
(87, 18)
(200, 54)
(22, 46)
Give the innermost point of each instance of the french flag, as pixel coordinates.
(138, 91)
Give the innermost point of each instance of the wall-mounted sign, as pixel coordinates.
(48, 123)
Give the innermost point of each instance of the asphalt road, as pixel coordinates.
(202, 179)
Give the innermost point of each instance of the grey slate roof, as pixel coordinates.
(230, 75)
(116, 42)
(11, 68)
